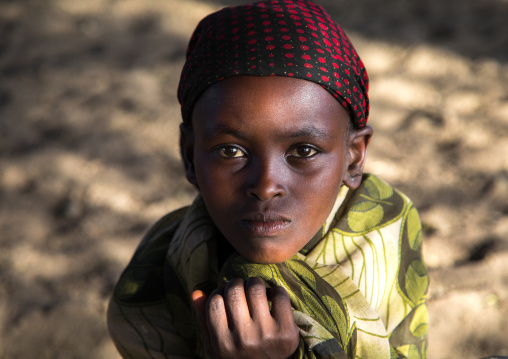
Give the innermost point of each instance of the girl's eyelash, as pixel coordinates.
(234, 151)
(313, 151)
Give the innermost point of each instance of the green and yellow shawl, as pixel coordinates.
(358, 291)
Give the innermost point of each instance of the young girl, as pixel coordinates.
(289, 251)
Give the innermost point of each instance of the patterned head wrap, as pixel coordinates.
(275, 38)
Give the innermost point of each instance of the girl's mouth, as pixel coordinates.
(265, 224)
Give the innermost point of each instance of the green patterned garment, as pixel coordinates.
(357, 291)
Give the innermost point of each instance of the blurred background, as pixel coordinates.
(89, 155)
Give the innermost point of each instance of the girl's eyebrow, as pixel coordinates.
(308, 131)
(218, 129)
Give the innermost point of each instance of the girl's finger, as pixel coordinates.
(236, 303)
(255, 292)
(217, 319)
(281, 305)
(199, 299)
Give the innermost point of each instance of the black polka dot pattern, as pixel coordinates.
(275, 38)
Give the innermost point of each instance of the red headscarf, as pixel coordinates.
(275, 38)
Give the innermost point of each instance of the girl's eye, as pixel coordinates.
(303, 151)
(230, 152)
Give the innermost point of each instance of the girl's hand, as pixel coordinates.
(237, 322)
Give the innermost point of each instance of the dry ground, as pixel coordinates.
(89, 157)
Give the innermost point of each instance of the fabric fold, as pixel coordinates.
(319, 311)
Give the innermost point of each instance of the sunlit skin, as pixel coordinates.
(269, 155)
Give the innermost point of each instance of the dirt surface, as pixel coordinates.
(89, 155)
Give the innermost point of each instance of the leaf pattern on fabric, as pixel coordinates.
(303, 272)
(417, 281)
(414, 229)
(341, 320)
(410, 351)
(257, 270)
(419, 324)
(128, 286)
(360, 211)
(315, 309)
(377, 189)
(369, 213)
(312, 337)
(139, 283)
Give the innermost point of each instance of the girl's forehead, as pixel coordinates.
(272, 87)
(285, 106)
(292, 39)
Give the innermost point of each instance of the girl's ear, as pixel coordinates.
(357, 152)
(187, 152)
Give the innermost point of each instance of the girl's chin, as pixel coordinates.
(269, 249)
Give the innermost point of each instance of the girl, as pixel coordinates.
(289, 251)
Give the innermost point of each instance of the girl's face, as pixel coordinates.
(269, 155)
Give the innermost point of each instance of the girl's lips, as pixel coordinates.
(265, 224)
(265, 229)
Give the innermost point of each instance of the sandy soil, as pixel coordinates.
(89, 157)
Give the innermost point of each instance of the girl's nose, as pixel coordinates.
(266, 180)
